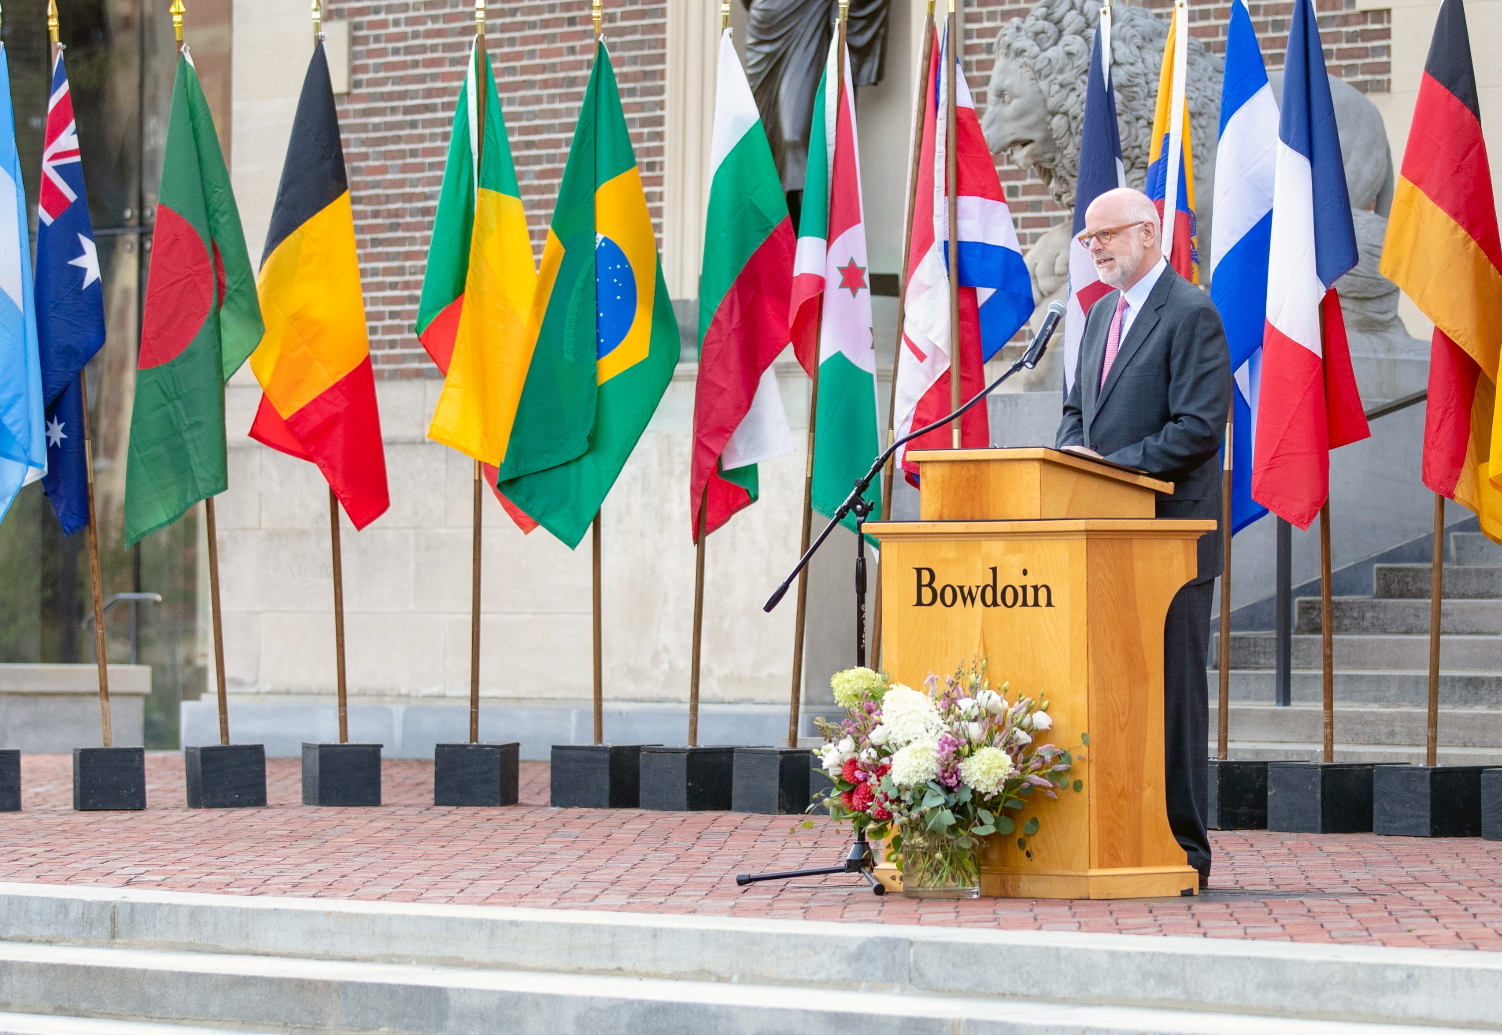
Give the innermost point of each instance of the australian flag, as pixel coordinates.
(69, 305)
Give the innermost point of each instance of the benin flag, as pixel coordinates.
(1442, 249)
(607, 340)
(743, 306)
(314, 363)
(200, 321)
(480, 250)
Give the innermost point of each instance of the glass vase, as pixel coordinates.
(935, 866)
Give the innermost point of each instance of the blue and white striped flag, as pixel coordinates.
(23, 448)
(1245, 163)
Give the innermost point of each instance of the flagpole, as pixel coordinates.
(338, 615)
(482, 62)
(1436, 595)
(1325, 630)
(1223, 718)
(951, 187)
(693, 675)
(907, 244)
(598, 17)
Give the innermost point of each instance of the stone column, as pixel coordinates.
(693, 41)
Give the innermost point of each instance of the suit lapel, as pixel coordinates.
(1142, 325)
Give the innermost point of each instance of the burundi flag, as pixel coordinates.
(1245, 163)
(200, 322)
(832, 292)
(1443, 250)
(492, 261)
(743, 306)
(23, 453)
(1170, 163)
(607, 339)
(69, 304)
(314, 361)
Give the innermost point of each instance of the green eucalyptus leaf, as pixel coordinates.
(984, 830)
(1085, 739)
(1031, 826)
(1079, 785)
(1005, 825)
(1022, 843)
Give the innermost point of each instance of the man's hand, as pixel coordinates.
(1083, 451)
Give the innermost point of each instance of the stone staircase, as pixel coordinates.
(1381, 652)
(103, 961)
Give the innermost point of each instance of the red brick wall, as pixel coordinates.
(407, 61)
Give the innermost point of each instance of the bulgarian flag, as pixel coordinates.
(743, 304)
(200, 321)
(832, 302)
(480, 251)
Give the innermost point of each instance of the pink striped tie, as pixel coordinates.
(1113, 340)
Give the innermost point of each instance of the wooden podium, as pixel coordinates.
(1053, 567)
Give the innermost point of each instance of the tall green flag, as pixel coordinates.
(607, 340)
(201, 320)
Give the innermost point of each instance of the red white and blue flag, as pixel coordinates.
(1309, 403)
(69, 304)
(995, 289)
(1101, 170)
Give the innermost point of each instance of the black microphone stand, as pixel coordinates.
(860, 858)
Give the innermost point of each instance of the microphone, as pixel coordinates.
(1040, 343)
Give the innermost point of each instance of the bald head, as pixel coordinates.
(1133, 246)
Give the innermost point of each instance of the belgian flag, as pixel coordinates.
(1442, 248)
(314, 361)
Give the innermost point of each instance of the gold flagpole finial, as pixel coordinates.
(479, 17)
(844, 10)
(317, 21)
(599, 16)
(177, 10)
(52, 21)
(724, 15)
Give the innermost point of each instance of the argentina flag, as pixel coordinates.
(1246, 160)
(69, 305)
(23, 454)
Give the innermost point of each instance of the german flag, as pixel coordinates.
(314, 361)
(1442, 248)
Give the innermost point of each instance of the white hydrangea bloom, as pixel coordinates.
(909, 716)
(987, 770)
(916, 764)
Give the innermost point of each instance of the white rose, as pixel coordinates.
(967, 705)
(879, 736)
(1042, 721)
(991, 701)
(1021, 737)
(847, 748)
(975, 731)
(868, 755)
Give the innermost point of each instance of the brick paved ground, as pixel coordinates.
(1355, 889)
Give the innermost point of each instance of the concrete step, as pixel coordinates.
(1414, 581)
(1314, 751)
(1369, 615)
(264, 963)
(1370, 686)
(1471, 729)
(1474, 548)
(1251, 650)
(41, 1024)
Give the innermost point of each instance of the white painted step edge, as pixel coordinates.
(48, 1024)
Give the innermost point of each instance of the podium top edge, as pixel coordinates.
(1054, 456)
(1168, 527)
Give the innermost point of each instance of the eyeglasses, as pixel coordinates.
(1104, 236)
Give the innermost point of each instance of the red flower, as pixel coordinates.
(879, 811)
(846, 797)
(862, 797)
(850, 773)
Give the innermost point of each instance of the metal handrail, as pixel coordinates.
(1397, 404)
(122, 598)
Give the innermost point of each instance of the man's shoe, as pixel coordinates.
(1204, 880)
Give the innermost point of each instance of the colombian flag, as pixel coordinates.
(607, 340)
(314, 361)
(1442, 248)
(1170, 152)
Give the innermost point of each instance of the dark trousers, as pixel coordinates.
(1186, 720)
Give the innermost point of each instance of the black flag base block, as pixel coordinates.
(1427, 801)
(859, 860)
(109, 778)
(10, 781)
(1238, 795)
(1320, 797)
(225, 776)
(481, 775)
(771, 780)
(341, 774)
(596, 776)
(1491, 805)
(687, 779)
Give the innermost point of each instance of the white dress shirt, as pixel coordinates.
(1136, 296)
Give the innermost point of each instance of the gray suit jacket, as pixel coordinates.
(1163, 407)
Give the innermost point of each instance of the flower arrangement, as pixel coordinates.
(932, 771)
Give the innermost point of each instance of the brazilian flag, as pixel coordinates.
(607, 340)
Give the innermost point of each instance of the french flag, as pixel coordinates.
(1101, 170)
(995, 289)
(1309, 403)
(1245, 166)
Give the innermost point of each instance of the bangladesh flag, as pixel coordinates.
(832, 292)
(743, 306)
(201, 321)
(607, 340)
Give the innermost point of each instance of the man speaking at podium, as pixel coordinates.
(1152, 391)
